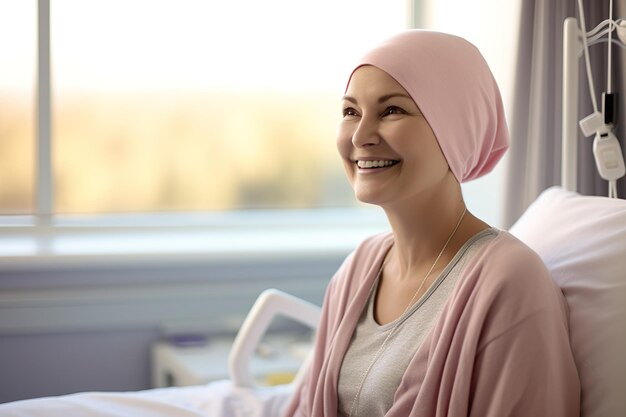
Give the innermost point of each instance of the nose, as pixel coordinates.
(366, 134)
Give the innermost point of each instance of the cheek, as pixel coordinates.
(344, 142)
(423, 154)
(345, 147)
(438, 163)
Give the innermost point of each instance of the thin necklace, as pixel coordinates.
(392, 331)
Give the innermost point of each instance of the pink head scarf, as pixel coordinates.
(450, 82)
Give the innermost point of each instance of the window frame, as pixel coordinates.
(44, 186)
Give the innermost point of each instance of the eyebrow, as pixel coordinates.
(381, 99)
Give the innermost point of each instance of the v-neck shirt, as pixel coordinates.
(383, 379)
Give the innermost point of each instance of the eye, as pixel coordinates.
(393, 110)
(349, 111)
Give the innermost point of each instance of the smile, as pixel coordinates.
(376, 164)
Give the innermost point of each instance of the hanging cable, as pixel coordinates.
(600, 26)
(586, 54)
(613, 189)
(606, 148)
(610, 47)
(614, 41)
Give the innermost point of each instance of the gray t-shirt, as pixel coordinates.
(380, 385)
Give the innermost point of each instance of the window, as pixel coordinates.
(194, 106)
(162, 106)
(18, 32)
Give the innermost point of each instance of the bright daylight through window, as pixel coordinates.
(184, 106)
(18, 35)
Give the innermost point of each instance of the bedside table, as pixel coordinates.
(276, 361)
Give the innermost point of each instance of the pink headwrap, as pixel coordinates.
(450, 82)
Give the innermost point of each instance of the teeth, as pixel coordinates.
(375, 164)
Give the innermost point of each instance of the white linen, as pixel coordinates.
(582, 240)
(218, 399)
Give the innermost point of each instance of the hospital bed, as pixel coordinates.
(581, 239)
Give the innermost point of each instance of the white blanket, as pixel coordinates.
(218, 399)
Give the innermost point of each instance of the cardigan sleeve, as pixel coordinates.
(345, 297)
(527, 370)
(303, 394)
(523, 364)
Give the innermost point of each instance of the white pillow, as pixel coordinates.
(582, 240)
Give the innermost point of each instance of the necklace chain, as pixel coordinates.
(393, 330)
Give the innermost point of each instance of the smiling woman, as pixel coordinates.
(411, 315)
(388, 148)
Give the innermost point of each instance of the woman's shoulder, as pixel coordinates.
(364, 260)
(374, 244)
(508, 255)
(370, 251)
(507, 287)
(507, 268)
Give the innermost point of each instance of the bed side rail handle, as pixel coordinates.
(269, 304)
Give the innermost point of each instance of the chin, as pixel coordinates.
(369, 197)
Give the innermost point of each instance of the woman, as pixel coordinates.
(445, 315)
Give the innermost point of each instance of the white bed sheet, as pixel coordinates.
(217, 399)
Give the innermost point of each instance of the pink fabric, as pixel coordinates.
(500, 347)
(450, 82)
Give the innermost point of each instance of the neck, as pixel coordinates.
(422, 227)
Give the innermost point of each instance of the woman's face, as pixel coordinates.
(389, 151)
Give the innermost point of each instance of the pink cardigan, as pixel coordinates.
(500, 347)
